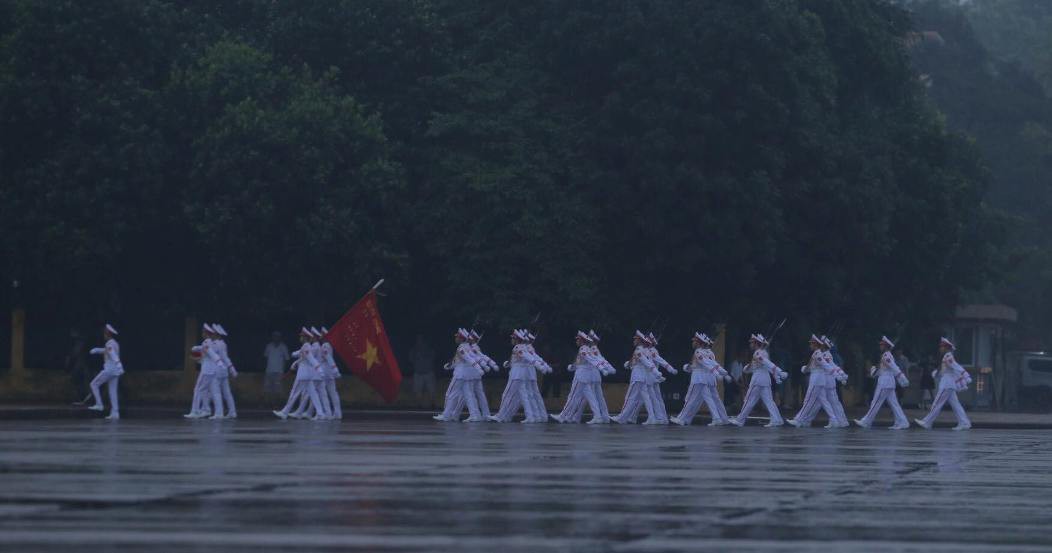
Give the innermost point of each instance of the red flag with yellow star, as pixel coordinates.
(361, 342)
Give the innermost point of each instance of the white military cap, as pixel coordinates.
(304, 331)
(324, 331)
(530, 336)
(209, 328)
(945, 340)
(315, 332)
(219, 329)
(110, 329)
(827, 342)
(885, 340)
(816, 339)
(462, 333)
(593, 336)
(474, 335)
(583, 335)
(758, 338)
(653, 339)
(703, 338)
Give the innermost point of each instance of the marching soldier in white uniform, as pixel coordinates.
(304, 389)
(952, 378)
(517, 393)
(588, 368)
(460, 391)
(654, 383)
(532, 385)
(763, 371)
(816, 397)
(226, 372)
(331, 373)
(487, 364)
(643, 368)
(888, 374)
(207, 391)
(112, 369)
(606, 369)
(834, 376)
(704, 372)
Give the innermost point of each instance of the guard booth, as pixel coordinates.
(979, 331)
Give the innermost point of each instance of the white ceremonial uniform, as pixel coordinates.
(112, 369)
(516, 394)
(486, 364)
(952, 377)
(461, 391)
(331, 373)
(588, 368)
(533, 388)
(208, 388)
(320, 398)
(654, 386)
(605, 369)
(816, 397)
(762, 370)
(638, 394)
(223, 375)
(833, 375)
(887, 375)
(704, 374)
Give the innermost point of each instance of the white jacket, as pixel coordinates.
(111, 360)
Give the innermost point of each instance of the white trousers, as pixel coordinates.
(815, 399)
(223, 382)
(533, 389)
(207, 390)
(834, 401)
(755, 394)
(334, 397)
(581, 393)
(698, 393)
(947, 395)
(460, 393)
(480, 397)
(638, 395)
(660, 414)
(517, 395)
(110, 380)
(888, 395)
(296, 393)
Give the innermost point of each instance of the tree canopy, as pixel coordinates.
(607, 164)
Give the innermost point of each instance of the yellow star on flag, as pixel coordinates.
(370, 356)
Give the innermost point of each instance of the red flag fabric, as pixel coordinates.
(361, 342)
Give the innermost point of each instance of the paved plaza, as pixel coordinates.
(408, 484)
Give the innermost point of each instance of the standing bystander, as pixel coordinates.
(276, 355)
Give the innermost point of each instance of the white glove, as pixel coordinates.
(626, 364)
(726, 378)
(506, 364)
(686, 367)
(672, 371)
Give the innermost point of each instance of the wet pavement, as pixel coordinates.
(403, 484)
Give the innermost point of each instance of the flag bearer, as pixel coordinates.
(112, 369)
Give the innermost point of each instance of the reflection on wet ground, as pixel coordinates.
(406, 485)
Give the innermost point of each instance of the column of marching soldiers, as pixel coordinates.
(314, 393)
